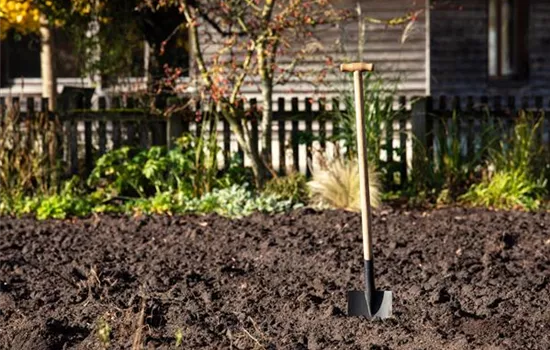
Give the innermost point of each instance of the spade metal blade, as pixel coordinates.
(381, 304)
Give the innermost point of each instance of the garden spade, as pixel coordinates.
(371, 303)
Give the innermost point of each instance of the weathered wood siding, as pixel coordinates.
(459, 51)
(404, 61)
(539, 47)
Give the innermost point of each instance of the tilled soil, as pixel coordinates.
(462, 279)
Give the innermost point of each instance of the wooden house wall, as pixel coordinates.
(459, 51)
(404, 62)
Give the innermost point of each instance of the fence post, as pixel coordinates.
(240, 152)
(253, 112)
(102, 129)
(335, 127)
(389, 147)
(88, 147)
(282, 137)
(72, 131)
(419, 113)
(322, 123)
(294, 136)
(403, 141)
(309, 135)
(32, 133)
(116, 105)
(2, 107)
(131, 124)
(419, 116)
(226, 143)
(471, 128)
(174, 127)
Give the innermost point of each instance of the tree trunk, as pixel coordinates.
(244, 139)
(47, 64)
(94, 53)
(266, 76)
(266, 124)
(258, 167)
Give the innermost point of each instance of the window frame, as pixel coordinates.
(519, 49)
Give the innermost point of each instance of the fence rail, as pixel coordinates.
(85, 135)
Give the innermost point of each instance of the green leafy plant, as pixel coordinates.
(235, 173)
(190, 167)
(71, 201)
(235, 201)
(523, 150)
(120, 172)
(292, 187)
(446, 172)
(203, 152)
(507, 190)
(518, 169)
(18, 204)
(160, 203)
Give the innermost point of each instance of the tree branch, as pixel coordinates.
(194, 37)
(240, 80)
(283, 78)
(216, 26)
(273, 55)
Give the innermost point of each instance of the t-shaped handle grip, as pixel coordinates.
(357, 67)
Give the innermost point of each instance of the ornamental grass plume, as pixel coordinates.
(336, 184)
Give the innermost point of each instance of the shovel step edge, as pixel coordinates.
(381, 307)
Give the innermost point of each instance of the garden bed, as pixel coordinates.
(462, 279)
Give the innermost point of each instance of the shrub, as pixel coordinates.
(28, 159)
(191, 167)
(378, 111)
(507, 190)
(292, 187)
(18, 205)
(518, 165)
(119, 172)
(235, 174)
(450, 172)
(235, 201)
(337, 184)
(523, 150)
(71, 201)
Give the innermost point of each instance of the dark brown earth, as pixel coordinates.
(462, 279)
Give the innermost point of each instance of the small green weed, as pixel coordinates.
(292, 187)
(179, 337)
(104, 332)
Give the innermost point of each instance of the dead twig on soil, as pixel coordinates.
(252, 337)
(259, 337)
(138, 334)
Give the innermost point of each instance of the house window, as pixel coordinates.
(507, 38)
(19, 57)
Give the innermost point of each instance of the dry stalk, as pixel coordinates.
(138, 334)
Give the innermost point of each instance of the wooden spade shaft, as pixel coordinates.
(366, 212)
(366, 215)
